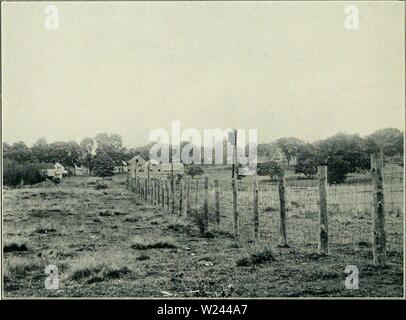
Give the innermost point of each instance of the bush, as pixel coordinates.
(103, 164)
(100, 185)
(15, 174)
(194, 170)
(271, 169)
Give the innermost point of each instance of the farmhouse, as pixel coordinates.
(81, 171)
(121, 168)
(54, 170)
(155, 169)
(136, 166)
(140, 167)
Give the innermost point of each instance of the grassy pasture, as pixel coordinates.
(110, 243)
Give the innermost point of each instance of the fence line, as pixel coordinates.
(291, 211)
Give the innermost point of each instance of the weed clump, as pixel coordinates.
(100, 186)
(15, 245)
(93, 269)
(256, 258)
(140, 243)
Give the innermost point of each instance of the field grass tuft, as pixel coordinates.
(15, 245)
(264, 255)
(145, 243)
(94, 268)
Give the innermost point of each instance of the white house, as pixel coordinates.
(54, 170)
(122, 168)
(81, 171)
(136, 166)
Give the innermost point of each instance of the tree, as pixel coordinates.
(270, 169)
(194, 170)
(389, 141)
(15, 173)
(103, 164)
(342, 153)
(66, 153)
(306, 160)
(41, 151)
(112, 144)
(18, 152)
(290, 146)
(87, 158)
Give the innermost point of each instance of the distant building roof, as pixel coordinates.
(140, 159)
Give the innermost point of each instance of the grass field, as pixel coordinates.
(110, 243)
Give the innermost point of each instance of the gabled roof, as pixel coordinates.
(135, 158)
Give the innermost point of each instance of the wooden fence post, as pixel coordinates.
(188, 205)
(161, 182)
(185, 195)
(378, 211)
(158, 194)
(217, 201)
(256, 211)
(235, 207)
(206, 205)
(323, 215)
(196, 194)
(172, 195)
(282, 210)
(181, 197)
(146, 190)
(153, 191)
(167, 194)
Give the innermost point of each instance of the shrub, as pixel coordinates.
(15, 245)
(140, 243)
(270, 169)
(15, 174)
(260, 257)
(100, 185)
(194, 170)
(103, 164)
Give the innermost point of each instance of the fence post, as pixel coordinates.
(146, 190)
(153, 190)
(282, 210)
(167, 194)
(378, 211)
(188, 206)
(185, 195)
(158, 193)
(181, 197)
(172, 195)
(206, 205)
(323, 216)
(256, 211)
(217, 201)
(196, 194)
(161, 182)
(235, 207)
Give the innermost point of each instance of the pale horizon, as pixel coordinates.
(209, 65)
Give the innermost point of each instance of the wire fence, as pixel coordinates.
(231, 207)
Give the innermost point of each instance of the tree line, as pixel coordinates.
(342, 153)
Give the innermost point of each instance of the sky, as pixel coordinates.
(283, 68)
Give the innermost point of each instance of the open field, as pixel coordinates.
(110, 243)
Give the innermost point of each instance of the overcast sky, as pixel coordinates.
(285, 69)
